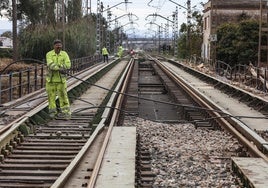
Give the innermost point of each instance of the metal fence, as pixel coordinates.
(15, 85)
(247, 75)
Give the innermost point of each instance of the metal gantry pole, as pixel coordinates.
(189, 16)
(14, 30)
(98, 27)
(89, 6)
(159, 38)
(60, 20)
(175, 32)
(109, 14)
(86, 7)
(63, 24)
(167, 35)
(116, 34)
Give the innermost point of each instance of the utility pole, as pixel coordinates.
(14, 30)
(116, 32)
(174, 28)
(189, 16)
(160, 27)
(260, 28)
(88, 7)
(263, 35)
(213, 38)
(99, 25)
(63, 23)
(109, 14)
(175, 32)
(60, 20)
(98, 28)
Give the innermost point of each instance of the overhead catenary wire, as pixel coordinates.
(164, 102)
(132, 114)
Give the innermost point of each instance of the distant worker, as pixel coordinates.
(132, 52)
(105, 54)
(120, 51)
(58, 62)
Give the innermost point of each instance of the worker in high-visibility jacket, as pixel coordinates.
(120, 51)
(105, 54)
(58, 62)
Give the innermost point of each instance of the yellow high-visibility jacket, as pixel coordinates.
(105, 51)
(56, 62)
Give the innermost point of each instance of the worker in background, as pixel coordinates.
(58, 63)
(132, 53)
(105, 54)
(120, 51)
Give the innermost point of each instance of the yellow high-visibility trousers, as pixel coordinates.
(59, 89)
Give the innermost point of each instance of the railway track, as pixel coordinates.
(203, 95)
(40, 152)
(194, 107)
(41, 148)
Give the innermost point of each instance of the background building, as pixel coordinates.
(217, 12)
(5, 42)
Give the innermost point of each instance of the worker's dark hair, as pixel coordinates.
(57, 41)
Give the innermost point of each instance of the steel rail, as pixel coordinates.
(108, 114)
(227, 123)
(72, 83)
(123, 85)
(9, 132)
(260, 142)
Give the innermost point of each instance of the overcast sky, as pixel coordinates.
(140, 9)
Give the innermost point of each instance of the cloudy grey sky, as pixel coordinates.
(140, 9)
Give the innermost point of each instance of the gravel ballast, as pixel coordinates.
(183, 156)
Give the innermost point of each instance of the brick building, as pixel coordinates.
(217, 12)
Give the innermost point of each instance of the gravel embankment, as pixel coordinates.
(183, 156)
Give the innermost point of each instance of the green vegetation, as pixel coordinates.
(36, 41)
(5, 53)
(238, 42)
(190, 45)
(39, 28)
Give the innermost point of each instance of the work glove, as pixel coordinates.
(53, 66)
(63, 71)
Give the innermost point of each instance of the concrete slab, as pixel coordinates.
(254, 171)
(118, 167)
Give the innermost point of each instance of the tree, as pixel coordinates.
(238, 42)
(36, 12)
(195, 36)
(36, 41)
(4, 5)
(33, 12)
(7, 34)
(14, 30)
(226, 35)
(74, 10)
(247, 44)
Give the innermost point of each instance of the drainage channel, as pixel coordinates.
(151, 87)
